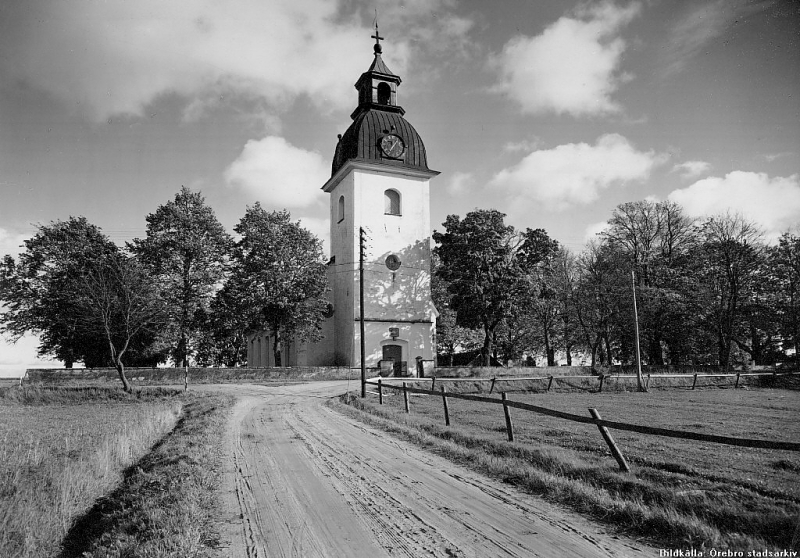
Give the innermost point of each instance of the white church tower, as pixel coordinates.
(380, 182)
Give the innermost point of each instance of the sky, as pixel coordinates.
(551, 111)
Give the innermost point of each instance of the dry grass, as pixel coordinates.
(57, 458)
(166, 502)
(681, 493)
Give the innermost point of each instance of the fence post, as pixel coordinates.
(380, 392)
(446, 410)
(623, 465)
(507, 413)
(433, 383)
(736, 385)
(647, 383)
(405, 397)
(694, 383)
(491, 389)
(602, 377)
(550, 383)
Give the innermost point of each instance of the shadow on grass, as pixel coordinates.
(105, 516)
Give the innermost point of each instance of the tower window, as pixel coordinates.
(384, 93)
(391, 201)
(341, 209)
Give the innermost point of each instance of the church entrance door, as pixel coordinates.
(394, 353)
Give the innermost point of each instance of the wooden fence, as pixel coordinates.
(595, 418)
(602, 378)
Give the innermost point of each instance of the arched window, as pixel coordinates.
(391, 202)
(341, 209)
(384, 93)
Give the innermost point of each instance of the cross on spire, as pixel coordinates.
(377, 35)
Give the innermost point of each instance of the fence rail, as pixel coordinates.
(599, 378)
(595, 419)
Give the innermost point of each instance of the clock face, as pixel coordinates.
(393, 146)
(393, 262)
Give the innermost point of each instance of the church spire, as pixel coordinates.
(377, 48)
(377, 87)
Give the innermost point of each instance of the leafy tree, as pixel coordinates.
(450, 337)
(732, 255)
(784, 260)
(279, 267)
(479, 263)
(40, 289)
(82, 296)
(121, 304)
(224, 328)
(187, 250)
(537, 258)
(655, 240)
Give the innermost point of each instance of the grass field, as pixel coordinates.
(102, 472)
(680, 494)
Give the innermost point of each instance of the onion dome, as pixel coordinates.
(379, 133)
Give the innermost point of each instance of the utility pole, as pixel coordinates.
(639, 381)
(361, 249)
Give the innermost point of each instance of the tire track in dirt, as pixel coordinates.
(305, 481)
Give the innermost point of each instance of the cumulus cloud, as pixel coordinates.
(574, 173)
(115, 57)
(459, 183)
(691, 169)
(11, 243)
(573, 66)
(279, 174)
(772, 203)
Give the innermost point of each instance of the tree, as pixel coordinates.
(40, 289)
(479, 263)
(85, 299)
(655, 240)
(732, 254)
(784, 262)
(121, 304)
(187, 250)
(224, 328)
(537, 258)
(280, 267)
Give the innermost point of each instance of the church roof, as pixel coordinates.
(361, 141)
(380, 67)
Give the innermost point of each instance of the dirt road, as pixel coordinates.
(305, 481)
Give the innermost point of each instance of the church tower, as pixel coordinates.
(380, 183)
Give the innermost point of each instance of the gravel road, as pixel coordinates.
(302, 480)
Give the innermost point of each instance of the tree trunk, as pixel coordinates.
(276, 350)
(487, 346)
(551, 354)
(121, 372)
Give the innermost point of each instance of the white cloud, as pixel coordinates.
(115, 57)
(574, 173)
(459, 183)
(691, 169)
(11, 243)
(572, 67)
(279, 174)
(772, 203)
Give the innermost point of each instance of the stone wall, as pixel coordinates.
(170, 376)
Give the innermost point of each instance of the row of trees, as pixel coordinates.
(709, 291)
(186, 290)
